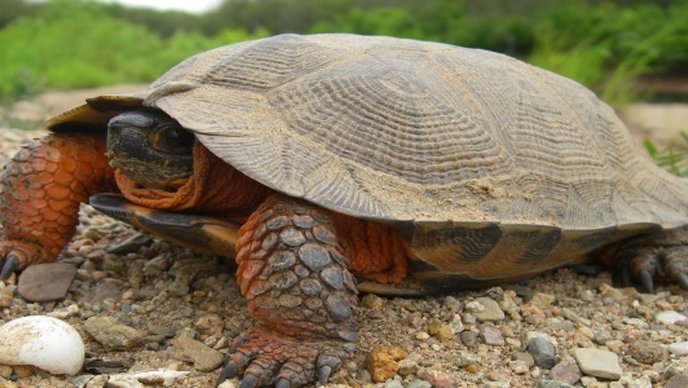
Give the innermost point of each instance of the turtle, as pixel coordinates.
(331, 164)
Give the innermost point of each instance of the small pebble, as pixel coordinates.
(436, 378)
(203, 357)
(407, 367)
(469, 338)
(417, 383)
(209, 325)
(566, 370)
(46, 282)
(647, 352)
(492, 336)
(519, 367)
(372, 301)
(440, 330)
(111, 334)
(552, 384)
(496, 384)
(383, 362)
(669, 317)
(6, 297)
(69, 311)
(221, 343)
(490, 310)
(457, 324)
(542, 352)
(598, 363)
(393, 384)
(466, 358)
(630, 382)
(525, 357)
(677, 381)
(542, 300)
(5, 371)
(451, 304)
(635, 322)
(422, 336)
(23, 371)
(679, 348)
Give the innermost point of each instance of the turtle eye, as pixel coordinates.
(172, 139)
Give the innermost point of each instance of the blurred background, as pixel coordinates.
(626, 50)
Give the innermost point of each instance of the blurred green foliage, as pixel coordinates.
(605, 44)
(674, 158)
(73, 44)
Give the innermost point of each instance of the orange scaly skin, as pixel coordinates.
(375, 250)
(215, 187)
(41, 190)
(297, 286)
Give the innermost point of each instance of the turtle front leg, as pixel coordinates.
(659, 257)
(40, 192)
(300, 292)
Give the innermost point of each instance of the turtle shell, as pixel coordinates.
(449, 144)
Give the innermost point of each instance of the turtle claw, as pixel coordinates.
(229, 371)
(11, 265)
(15, 255)
(265, 357)
(645, 266)
(637, 269)
(646, 282)
(249, 381)
(283, 383)
(324, 374)
(682, 280)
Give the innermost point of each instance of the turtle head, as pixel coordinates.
(150, 148)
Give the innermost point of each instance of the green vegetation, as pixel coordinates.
(605, 44)
(674, 158)
(71, 44)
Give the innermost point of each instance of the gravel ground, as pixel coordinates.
(168, 309)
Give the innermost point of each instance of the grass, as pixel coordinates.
(674, 158)
(69, 46)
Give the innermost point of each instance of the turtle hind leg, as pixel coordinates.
(300, 292)
(646, 260)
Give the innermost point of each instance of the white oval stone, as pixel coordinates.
(44, 342)
(670, 317)
(679, 348)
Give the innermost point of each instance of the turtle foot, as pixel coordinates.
(17, 255)
(265, 357)
(643, 267)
